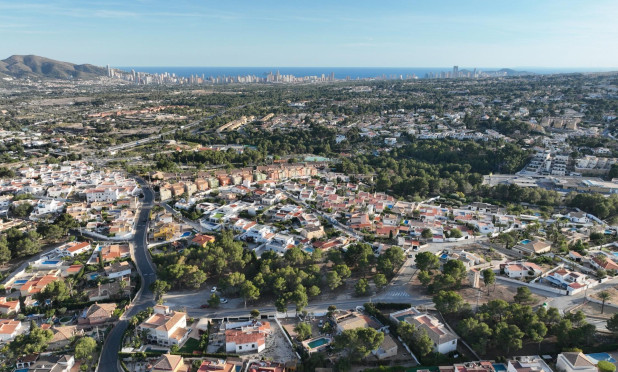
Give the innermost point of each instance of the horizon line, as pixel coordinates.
(459, 66)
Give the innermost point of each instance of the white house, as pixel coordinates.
(47, 206)
(259, 234)
(108, 195)
(74, 249)
(9, 329)
(388, 348)
(118, 270)
(575, 362)
(528, 364)
(444, 341)
(521, 269)
(250, 337)
(280, 243)
(166, 327)
(578, 217)
(9, 306)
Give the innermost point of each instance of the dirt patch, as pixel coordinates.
(497, 292)
(613, 292)
(485, 252)
(594, 310)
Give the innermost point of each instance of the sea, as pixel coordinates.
(340, 72)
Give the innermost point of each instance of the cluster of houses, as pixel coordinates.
(64, 262)
(176, 363)
(189, 184)
(103, 200)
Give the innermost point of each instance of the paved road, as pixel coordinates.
(144, 298)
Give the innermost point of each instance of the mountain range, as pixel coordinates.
(40, 67)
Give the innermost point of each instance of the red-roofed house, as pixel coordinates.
(9, 329)
(603, 262)
(237, 341)
(77, 248)
(216, 366)
(202, 240)
(37, 284)
(8, 306)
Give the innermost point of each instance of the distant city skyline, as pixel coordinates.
(527, 33)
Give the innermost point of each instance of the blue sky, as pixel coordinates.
(491, 33)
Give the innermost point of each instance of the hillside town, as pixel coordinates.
(363, 229)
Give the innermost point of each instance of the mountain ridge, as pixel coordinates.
(32, 66)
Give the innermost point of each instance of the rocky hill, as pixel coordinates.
(41, 67)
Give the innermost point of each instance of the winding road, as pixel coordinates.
(108, 361)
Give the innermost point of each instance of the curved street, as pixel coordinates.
(108, 361)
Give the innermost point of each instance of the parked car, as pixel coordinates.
(204, 306)
(223, 300)
(213, 290)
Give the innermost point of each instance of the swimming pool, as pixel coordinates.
(499, 367)
(318, 342)
(50, 262)
(602, 356)
(22, 370)
(525, 241)
(21, 281)
(309, 250)
(185, 234)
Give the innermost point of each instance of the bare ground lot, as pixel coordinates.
(613, 293)
(594, 310)
(472, 295)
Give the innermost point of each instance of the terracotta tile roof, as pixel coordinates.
(168, 362)
(240, 337)
(7, 327)
(78, 246)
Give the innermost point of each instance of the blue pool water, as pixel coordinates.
(444, 256)
(93, 276)
(309, 250)
(21, 281)
(185, 234)
(602, 356)
(615, 254)
(499, 367)
(50, 262)
(525, 241)
(319, 342)
(22, 370)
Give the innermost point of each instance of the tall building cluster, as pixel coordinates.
(143, 78)
(456, 73)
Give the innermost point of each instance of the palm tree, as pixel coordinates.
(123, 285)
(604, 296)
(70, 281)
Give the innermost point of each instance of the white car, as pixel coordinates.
(213, 290)
(223, 300)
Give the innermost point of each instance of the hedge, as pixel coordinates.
(391, 306)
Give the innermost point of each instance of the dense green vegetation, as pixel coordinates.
(499, 325)
(289, 279)
(435, 167)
